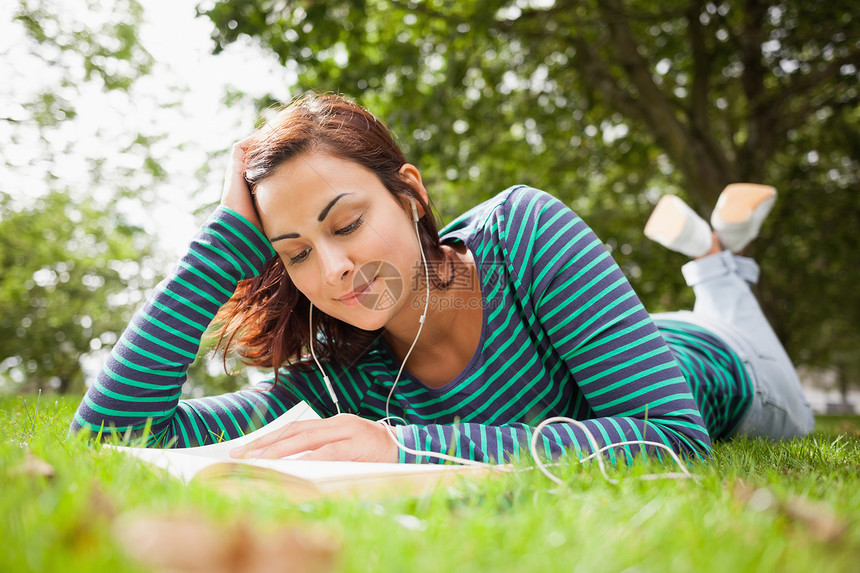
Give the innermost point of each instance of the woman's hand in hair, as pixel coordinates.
(237, 194)
(344, 437)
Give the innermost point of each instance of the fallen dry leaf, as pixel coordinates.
(100, 504)
(84, 532)
(848, 427)
(743, 491)
(34, 466)
(191, 544)
(821, 524)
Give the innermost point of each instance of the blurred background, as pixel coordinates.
(116, 118)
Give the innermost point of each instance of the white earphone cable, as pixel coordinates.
(420, 320)
(597, 451)
(314, 354)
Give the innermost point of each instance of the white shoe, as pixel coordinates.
(740, 211)
(676, 226)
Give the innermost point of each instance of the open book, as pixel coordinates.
(299, 479)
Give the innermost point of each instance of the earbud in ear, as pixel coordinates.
(414, 209)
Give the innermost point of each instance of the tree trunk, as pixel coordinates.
(842, 381)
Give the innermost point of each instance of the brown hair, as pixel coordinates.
(266, 320)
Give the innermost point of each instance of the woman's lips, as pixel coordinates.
(356, 295)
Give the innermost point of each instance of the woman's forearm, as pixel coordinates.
(141, 381)
(499, 444)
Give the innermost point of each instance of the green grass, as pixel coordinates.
(804, 518)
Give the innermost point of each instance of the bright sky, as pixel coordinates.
(180, 43)
(199, 126)
(181, 99)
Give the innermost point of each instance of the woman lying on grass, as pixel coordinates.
(324, 258)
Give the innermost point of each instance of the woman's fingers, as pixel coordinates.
(236, 194)
(344, 437)
(266, 441)
(308, 439)
(371, 445)
(243, 143)
(333, 452)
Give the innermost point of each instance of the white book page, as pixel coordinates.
(185, 462)
(181, 465)
(221, 451)
(185, 466)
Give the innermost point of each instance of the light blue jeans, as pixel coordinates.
(726, 306)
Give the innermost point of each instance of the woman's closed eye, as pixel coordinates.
(300, 257)
(351, 228)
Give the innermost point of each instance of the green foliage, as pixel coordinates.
(517, 522)
(608, 104)
(809, 265)
(69, 277)
(71, 267)
(65, 60)
(107, 48)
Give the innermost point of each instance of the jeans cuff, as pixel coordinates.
(719, 265)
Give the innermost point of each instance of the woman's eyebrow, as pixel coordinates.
(328, 207)
(323, 214)
(287, 236)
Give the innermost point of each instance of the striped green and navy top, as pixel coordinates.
(563, 334)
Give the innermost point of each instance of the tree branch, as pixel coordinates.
(598, 76)
(803, 84)
(783, 121)
(759, 137)
(654, 107)
(702, 162)
(751, 40)
(699, 104)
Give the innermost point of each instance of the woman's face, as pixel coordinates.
(342, 237)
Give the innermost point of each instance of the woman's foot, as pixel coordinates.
(739, 213)
(676, 226)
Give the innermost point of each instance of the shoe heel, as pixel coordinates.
(677, 227)
(738, 201)
(739, 213)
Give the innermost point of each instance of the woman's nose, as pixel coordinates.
(335, 265)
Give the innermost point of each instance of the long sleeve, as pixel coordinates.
(600, 358)
(140, 384)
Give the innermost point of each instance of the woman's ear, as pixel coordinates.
(412, 176)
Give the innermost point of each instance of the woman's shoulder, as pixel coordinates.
(503, 208)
